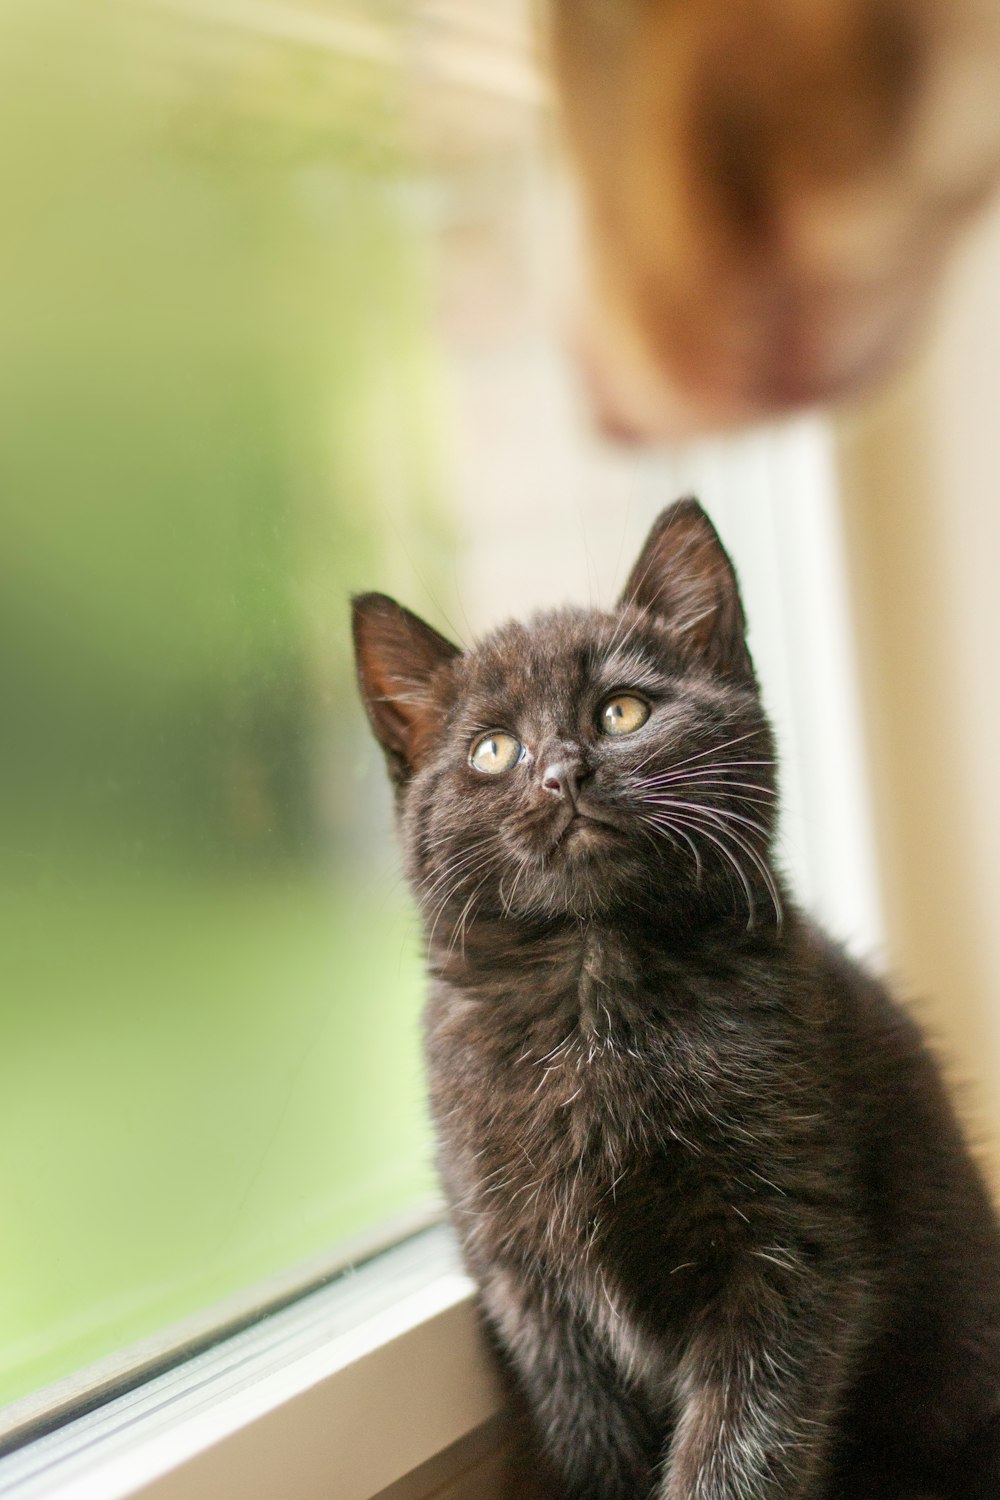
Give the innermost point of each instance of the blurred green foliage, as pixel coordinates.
(220, 406)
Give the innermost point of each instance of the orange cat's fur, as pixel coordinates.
(771, 188)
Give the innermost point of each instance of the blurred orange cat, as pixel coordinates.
(771, 188)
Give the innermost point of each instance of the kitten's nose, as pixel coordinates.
(562, 778)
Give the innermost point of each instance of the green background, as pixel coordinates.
(220, 412)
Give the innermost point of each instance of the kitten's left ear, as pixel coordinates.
(683, 574)
(397, 657)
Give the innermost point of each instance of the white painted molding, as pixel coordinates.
(340, 1396)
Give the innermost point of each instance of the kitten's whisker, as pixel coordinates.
(706, 807)
(452, 889)
(721, 814)
(765, 874)
(428, 888)
(626, 628)
(678, 766)
(438, 914)
(459, 928)
(724, 781)
(446, 837)
(715, 749)
(656, 750)
(719, 817)
(449, 894)
(693, 821)
(754, 796)
(754, 855)
(619, 632)
(674, 834)
(676, 774)
(465, 851)
(712, 788)
(660, 799)
(508, 902)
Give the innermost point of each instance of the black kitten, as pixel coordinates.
(725, 1226)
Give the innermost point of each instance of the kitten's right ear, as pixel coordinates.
(397, 656)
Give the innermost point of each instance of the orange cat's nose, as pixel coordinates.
(648, 381)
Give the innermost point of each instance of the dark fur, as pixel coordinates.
(726, 1229)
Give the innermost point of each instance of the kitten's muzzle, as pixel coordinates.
(563, 779)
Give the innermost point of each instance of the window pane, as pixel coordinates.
(218, 389)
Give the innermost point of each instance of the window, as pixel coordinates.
(281, 311)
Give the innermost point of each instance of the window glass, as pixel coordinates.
(219, 396)
(281, 294)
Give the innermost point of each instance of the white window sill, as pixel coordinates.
(341, 1395)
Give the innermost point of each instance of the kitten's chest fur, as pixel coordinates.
(597, 1104)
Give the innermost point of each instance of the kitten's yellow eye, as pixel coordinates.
(495, 752)
(623, 714)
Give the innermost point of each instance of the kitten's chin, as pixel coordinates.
(584, 834)
(589, 870)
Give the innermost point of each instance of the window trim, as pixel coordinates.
(274, 1409)
(55, 1405)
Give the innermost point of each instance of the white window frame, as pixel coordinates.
(354, 1388)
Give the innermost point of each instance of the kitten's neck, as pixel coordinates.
(599, 957)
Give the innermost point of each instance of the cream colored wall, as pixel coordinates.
(921, 472)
